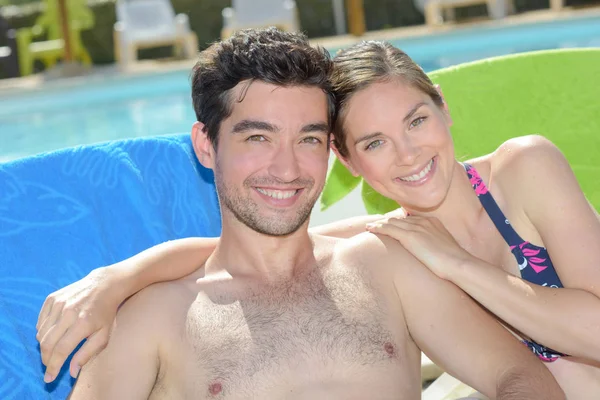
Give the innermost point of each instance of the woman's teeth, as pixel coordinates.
(277, 194)
(420, 175)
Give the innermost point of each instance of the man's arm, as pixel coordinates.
(127, 368)
(462, 338)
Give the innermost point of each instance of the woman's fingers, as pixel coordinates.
(54, 334)
(392, 224)
(45, 311)
(68, 341)
(51, 320)
(72, 314)
(410, 223)
(392, 227)
(94, 345)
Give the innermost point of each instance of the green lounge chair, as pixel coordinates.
(552, 93)
(52, 48)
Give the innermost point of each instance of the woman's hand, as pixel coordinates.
(427, 239)
(84, 309)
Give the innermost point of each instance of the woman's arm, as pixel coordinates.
(164, 262)
(567, 320)
(87, 308)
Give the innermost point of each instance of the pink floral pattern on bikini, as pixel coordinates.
(530, 253)
(476, 181)
(525, 253)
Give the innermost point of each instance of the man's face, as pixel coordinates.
(271, 161)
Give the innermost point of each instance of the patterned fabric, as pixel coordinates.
(64, 213)
(544, 353)
(534, 262)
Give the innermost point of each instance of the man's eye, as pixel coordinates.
(311, 140)
(256, 138)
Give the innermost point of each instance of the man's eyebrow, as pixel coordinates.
(253, 125)
(414, 110)
(321, 127)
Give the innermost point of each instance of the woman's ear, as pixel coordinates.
(445, 105)
(203, 147)
(346, 162)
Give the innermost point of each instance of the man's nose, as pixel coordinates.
(284, 164)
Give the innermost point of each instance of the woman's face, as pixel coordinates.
(399, 140)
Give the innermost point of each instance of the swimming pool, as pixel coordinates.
(93, 110)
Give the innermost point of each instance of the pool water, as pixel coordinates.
(92, 110)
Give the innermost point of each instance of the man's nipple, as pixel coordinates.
(390, 349)
(215, 388)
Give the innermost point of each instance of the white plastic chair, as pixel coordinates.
(259, 14)
(446, 387)
(151, 23)
(436, 11)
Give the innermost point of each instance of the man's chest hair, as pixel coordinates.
(333, 315)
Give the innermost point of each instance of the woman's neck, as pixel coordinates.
(460, 211)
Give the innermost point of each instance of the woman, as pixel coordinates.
(393, 128)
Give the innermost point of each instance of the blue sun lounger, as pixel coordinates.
(64, 213)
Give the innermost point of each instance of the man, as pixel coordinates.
(276, 312)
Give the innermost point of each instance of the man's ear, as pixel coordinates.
(346, 162)
(203, 147)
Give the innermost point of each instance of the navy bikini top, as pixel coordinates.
(534, 262)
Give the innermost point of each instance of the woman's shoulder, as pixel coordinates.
(521, 160)
(524, 151)
(517, 167)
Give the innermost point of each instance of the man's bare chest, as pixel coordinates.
(322, 327)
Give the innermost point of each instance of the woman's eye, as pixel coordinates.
(417, 121)
(374, 144)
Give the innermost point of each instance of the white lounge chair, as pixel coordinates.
(259, 14)
(151, 23)
(437, 11)
(446, 387)
(429, 371)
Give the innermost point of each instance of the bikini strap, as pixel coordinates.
(491, 207)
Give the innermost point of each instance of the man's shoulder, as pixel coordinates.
(371, 249)
(159, 300)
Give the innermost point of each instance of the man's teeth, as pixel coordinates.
(420, 175)
(277, 194)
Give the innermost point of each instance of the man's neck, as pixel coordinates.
(244, 252)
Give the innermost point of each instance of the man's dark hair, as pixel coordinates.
(268, 55)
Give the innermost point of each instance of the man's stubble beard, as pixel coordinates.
(247, 211)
